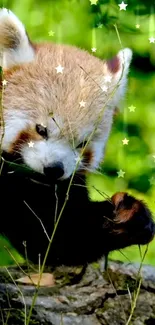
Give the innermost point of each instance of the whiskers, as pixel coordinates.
(84, 169)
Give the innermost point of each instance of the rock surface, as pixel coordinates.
(99, 298)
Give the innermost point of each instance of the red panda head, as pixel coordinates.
(58, 102)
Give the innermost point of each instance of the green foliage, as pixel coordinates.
(73, 22)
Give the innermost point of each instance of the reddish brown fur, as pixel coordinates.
(9, 72)
(114, 64)
(116, 111)
(124, 215)
(88, 155)
(117, 198)
(24, 137)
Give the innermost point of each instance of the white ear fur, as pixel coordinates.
(121, 76)
(125, 57)
(14, 43)
(117, 71)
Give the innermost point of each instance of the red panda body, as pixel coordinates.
(86, 230)
(58, 106)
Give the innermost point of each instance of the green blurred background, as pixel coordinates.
(79, 23)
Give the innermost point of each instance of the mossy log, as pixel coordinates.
(98, 298)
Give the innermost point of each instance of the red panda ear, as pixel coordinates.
(121, 62)
(117, 68)
(14, 42)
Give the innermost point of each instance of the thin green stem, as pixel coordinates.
(137, 291)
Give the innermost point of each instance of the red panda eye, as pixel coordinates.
(41, 130)
(82, 145)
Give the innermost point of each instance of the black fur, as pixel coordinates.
(86, 231)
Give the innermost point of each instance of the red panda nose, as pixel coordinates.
(54, 170)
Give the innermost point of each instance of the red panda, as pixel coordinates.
(58, 103)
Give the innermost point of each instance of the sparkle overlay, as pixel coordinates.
(31, 144)
(121, 173)
(132, 108)
(105, 88)
(82, 103)
(4, 82)
(51, 33)
(100, 26)
(152, 39)
(137, 26)
(59, 69)
(94, 49)
(93, 2)
(152, 180)
(122, 6)
(108, 78)
(125, 141)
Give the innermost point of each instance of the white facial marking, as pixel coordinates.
(15, 122)
(98, 145)
(45, 153)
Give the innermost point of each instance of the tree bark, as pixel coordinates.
(98, 298)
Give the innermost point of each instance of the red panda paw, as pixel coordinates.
(133, 218)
